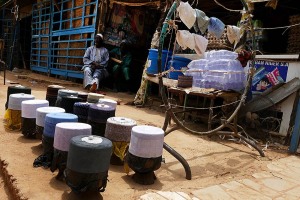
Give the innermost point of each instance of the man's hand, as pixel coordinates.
(116, 60)
(95, 65)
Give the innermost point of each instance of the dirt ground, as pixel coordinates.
(212, 161)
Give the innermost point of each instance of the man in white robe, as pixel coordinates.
(95, 62)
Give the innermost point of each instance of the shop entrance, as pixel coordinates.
(136, 25)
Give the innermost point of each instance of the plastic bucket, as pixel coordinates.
(152, 67)
(177, 63)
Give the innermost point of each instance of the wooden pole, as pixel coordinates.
(296, 132)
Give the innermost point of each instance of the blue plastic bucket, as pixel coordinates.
(152, 60)
(177, 63)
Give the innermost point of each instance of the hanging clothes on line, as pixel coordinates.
(216, 27)
(187, 14)
(233, 34)
(202, 21)
(193, 41)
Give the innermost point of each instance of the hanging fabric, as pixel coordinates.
(187, 14)
(202, 21)
(193, 41)
(233, 34)
(216, 27)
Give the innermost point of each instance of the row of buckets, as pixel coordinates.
(81, 142)
(168, 60)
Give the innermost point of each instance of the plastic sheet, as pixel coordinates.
(59, 162)
(46, 158)
(143, 167)
(12, 120)
(82, 182)
(28, 127)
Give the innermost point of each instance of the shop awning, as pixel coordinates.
(136, 3)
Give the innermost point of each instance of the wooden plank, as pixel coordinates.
(167, 82)
(205, 92)
(278, 57)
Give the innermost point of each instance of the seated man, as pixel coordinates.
(122, 58)
(95, 62)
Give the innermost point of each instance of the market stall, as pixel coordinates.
(248, 39)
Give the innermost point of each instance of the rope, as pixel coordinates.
(213, 107)
(194, 3)
(231, 10)
(199, 70)
(272, 120)
(15, 10)
(280, 27)
(172, 26)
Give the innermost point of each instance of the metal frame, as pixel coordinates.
(7, 32)
(230, 122)
(41, 23)
(72, 26)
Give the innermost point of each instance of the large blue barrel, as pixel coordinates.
(177, 63)
(152, 60)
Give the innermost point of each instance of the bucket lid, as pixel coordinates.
(50, 109)
(119, 128)
(15, 100)
(64, 132)
(122, 121)
(146, 141)
(100, 113)
(92, 140)
(55, 118)
(102, 107)
(108, 102)
(52, 119)
(29, 107)
(43, 111)
(148, 132)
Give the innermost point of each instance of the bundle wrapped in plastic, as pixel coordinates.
(221, 54)
(196, 69)
(224, 74)
(219, 70)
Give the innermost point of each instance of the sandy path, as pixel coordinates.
(211, 162)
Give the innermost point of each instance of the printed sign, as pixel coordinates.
(268, 74)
